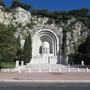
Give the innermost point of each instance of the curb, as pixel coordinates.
(47, 81)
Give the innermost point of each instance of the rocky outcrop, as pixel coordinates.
(75, 37)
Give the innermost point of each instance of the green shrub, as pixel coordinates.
(18, 3)
(2, 3)
(30, 25)
(7, 9)
(8, 44)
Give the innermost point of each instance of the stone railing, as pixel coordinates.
(26, 68)
(47, 70)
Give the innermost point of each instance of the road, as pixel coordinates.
(44, 86)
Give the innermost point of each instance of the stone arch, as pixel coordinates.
(45, 35)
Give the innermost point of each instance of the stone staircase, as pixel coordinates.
(45, 59)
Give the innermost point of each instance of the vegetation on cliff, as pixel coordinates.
(18, 3)
(8, 45)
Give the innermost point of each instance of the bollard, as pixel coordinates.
(7, 70)
(59, 70)
(17, 63)
(19, 71)
(82, 63)
(68, 69)
(11, 70)
(39, 69)
(29, 70)
(22, 63)
(86, 69)
(1, 70)
(49, 69)
(78, 70)
(68, 65)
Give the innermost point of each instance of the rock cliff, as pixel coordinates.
(26, 23)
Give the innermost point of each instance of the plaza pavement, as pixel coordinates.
(45, 77)
(25, 76)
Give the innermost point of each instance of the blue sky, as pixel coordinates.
(54, 5)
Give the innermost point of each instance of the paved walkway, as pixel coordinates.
(45, 77)
(55, 76)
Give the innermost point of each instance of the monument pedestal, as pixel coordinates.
(44, 59)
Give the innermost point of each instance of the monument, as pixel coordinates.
(45, 47)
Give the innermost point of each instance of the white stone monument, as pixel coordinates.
(45, 43)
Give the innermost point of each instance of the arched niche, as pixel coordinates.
(45, 35)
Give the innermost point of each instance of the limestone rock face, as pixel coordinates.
(21, 16)
(5, 17)
(74, 38)
(1, 14)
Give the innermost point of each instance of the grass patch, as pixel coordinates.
(7, 64)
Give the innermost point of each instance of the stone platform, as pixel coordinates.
(45, 59)
(51, 68)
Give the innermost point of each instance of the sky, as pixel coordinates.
(56, 5)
